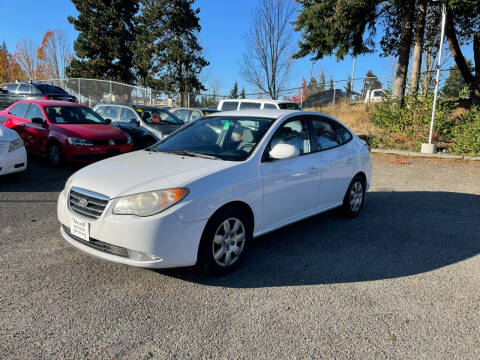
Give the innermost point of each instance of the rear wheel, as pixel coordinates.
(224, 241)
(354, 198)
(55, 155)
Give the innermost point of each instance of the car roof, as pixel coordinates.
(50, 103)
(269, 101)
(274, 113)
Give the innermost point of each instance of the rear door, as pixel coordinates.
(38, 133)
(335, 158)
(17, 122)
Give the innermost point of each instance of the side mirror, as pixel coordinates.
(38, 120)
(135, 122)
(284, 151)
(108, 121)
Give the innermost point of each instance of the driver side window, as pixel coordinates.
(293, 132)
(127, 115)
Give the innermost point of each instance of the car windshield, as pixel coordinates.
(152, 115)
(289, 106)
(51, 89)
(72, 115)
(225, 137)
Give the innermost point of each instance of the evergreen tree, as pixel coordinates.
(171, 27)
(455, 82)
(234, 91)
(104, 44)
(348, 86)
(331, 85)
(242, 94)
(322, 84)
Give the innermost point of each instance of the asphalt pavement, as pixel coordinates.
(402, 281)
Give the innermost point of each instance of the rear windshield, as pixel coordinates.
(72, 115)
(249, 105)
(289, 106)
(229, 105)
(51, 89)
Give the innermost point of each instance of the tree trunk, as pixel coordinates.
(476, 57)
(418, 49)
(404, 52)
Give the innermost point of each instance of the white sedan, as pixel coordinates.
(201, 194)
(13, 157)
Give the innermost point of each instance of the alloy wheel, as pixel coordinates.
(356, 196)
(228, 242)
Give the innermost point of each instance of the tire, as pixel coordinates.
(354, 198)
(55, 155)
(222, 240)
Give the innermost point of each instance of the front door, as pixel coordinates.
(38, 133)
(290, 186)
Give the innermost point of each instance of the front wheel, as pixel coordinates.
(55, 155)
(354, 198)
(224, 241)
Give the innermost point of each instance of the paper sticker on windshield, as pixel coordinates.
(226, 125)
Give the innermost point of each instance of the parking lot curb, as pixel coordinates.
(419, 154)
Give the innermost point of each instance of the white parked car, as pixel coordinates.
(200, 195)
(375, 96)
(263, 104)
(13, 157)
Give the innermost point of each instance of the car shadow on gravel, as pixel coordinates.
(398, 234)
(38, 177)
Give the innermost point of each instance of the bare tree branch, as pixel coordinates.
(267, 62)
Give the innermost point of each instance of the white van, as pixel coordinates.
(263, 104)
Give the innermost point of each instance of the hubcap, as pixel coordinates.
(356, 196)
(228, 242)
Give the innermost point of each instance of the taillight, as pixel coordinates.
(46, 98)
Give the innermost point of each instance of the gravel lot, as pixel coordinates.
(400, 281)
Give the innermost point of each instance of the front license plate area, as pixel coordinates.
(80, 229)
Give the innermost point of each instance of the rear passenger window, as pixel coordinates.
(11, 87)
(249, 105)
(19, 110)
(229, 105)
(328, 134)
(269, 106)
(293, 132)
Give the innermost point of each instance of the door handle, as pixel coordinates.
(349, 161)
(313, 170)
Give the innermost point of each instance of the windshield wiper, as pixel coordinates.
(193, 154)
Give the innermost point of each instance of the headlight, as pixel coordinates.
(129, 139)
(15, 144)
(149, 203)
(79, 142)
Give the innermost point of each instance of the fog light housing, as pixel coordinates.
(141, 256)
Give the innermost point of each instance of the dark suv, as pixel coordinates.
(32, 90)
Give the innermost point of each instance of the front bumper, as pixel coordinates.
(93, 153)
(173, 242)
(14, 161)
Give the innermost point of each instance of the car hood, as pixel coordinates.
(92, 131)
(7, 134)
(142, 171)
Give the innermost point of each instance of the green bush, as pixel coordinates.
(414, 116)
(466, 133)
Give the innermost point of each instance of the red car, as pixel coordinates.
(65, 131)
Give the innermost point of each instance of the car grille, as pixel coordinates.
(99, 245)
(106, 142)
(87, 203)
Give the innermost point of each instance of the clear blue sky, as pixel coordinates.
(225, 24)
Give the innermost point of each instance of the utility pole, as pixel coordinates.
(432, 148)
